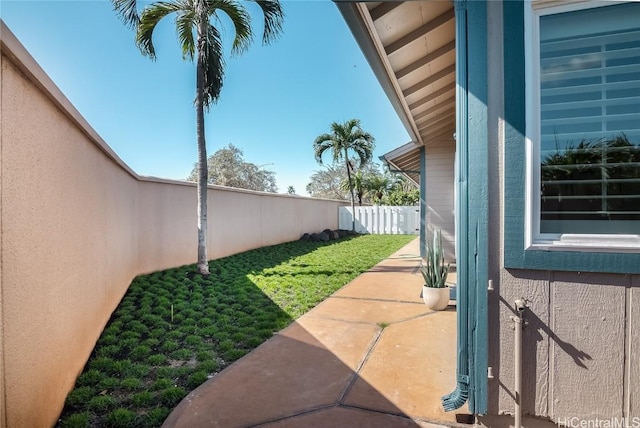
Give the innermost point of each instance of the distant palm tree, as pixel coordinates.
(377, 186)
(358, 184)
(201, 40)
(344, 138)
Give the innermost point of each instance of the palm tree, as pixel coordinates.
(201, 40)
(377, 186)
(344, 138)
(358, 183)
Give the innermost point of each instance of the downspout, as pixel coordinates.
(459, 396)
(519, 324)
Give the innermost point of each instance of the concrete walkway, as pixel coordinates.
(370, 356)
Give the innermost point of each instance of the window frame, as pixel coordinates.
(533, 238)
(515, 254)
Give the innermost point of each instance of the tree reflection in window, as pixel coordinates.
(595, 180)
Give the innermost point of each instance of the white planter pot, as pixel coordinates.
(436, 299)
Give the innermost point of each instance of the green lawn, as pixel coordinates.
(174, 330)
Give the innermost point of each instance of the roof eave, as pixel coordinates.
(359, 22)
(390, 159)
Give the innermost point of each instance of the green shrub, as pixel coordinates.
(151, 342)
(208, 366)
(157, 333)
(189, 321)
(234, 354)
(129, 334)
(131, 383)
(122, 368)
(103, 364)
(90, 378)
(161, 384)
(193, 340)
(204, 355)
(226, 345)
(138, 327)
(101, 403)
(140, 352)
(181, 354)
(109, 383)
(139, 370)
(121, 418)
(157, 416)
(165, 372)
(109, 350)
(80, 396)
(172, 396)
(197, 379)
(157, 359)
(130, 343)
(143, 399)
(170, 345)
(254, 342)
(76, 420)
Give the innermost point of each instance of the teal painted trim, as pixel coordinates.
(459, 396)
(514, 132)
(423, 203)
(478, 202)
(515, 255)
(473, 207)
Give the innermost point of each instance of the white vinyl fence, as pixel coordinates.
(381, 220)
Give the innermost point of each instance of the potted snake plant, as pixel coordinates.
(435, 292)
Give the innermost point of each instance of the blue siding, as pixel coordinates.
(478, 200)
(515, 255)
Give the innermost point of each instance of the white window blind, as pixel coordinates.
(589, 147)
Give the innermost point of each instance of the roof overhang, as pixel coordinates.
(410, 46)
(405, 160)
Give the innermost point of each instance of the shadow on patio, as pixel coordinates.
(371, 355)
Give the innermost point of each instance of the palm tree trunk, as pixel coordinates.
(203, 173)
(353, 198)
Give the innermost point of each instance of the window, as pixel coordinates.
(583, 126)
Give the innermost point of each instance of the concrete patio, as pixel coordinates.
(371, 355)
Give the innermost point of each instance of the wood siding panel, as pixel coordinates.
(587, 345)
(634, 342)
(534, 287)
(440, 205)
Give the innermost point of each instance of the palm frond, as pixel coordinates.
(240, 19)
(321, 144)
(185, 27)
(214, 66)
(273, 19)
(127, 11)
(151, 16)
(352, 125)
(345, 137)
(364, 150)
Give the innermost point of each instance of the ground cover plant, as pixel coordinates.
(175, 329)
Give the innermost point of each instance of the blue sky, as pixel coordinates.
(276, 99)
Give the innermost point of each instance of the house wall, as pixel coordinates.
(581, 347)
(440, 194)
(77, 225)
